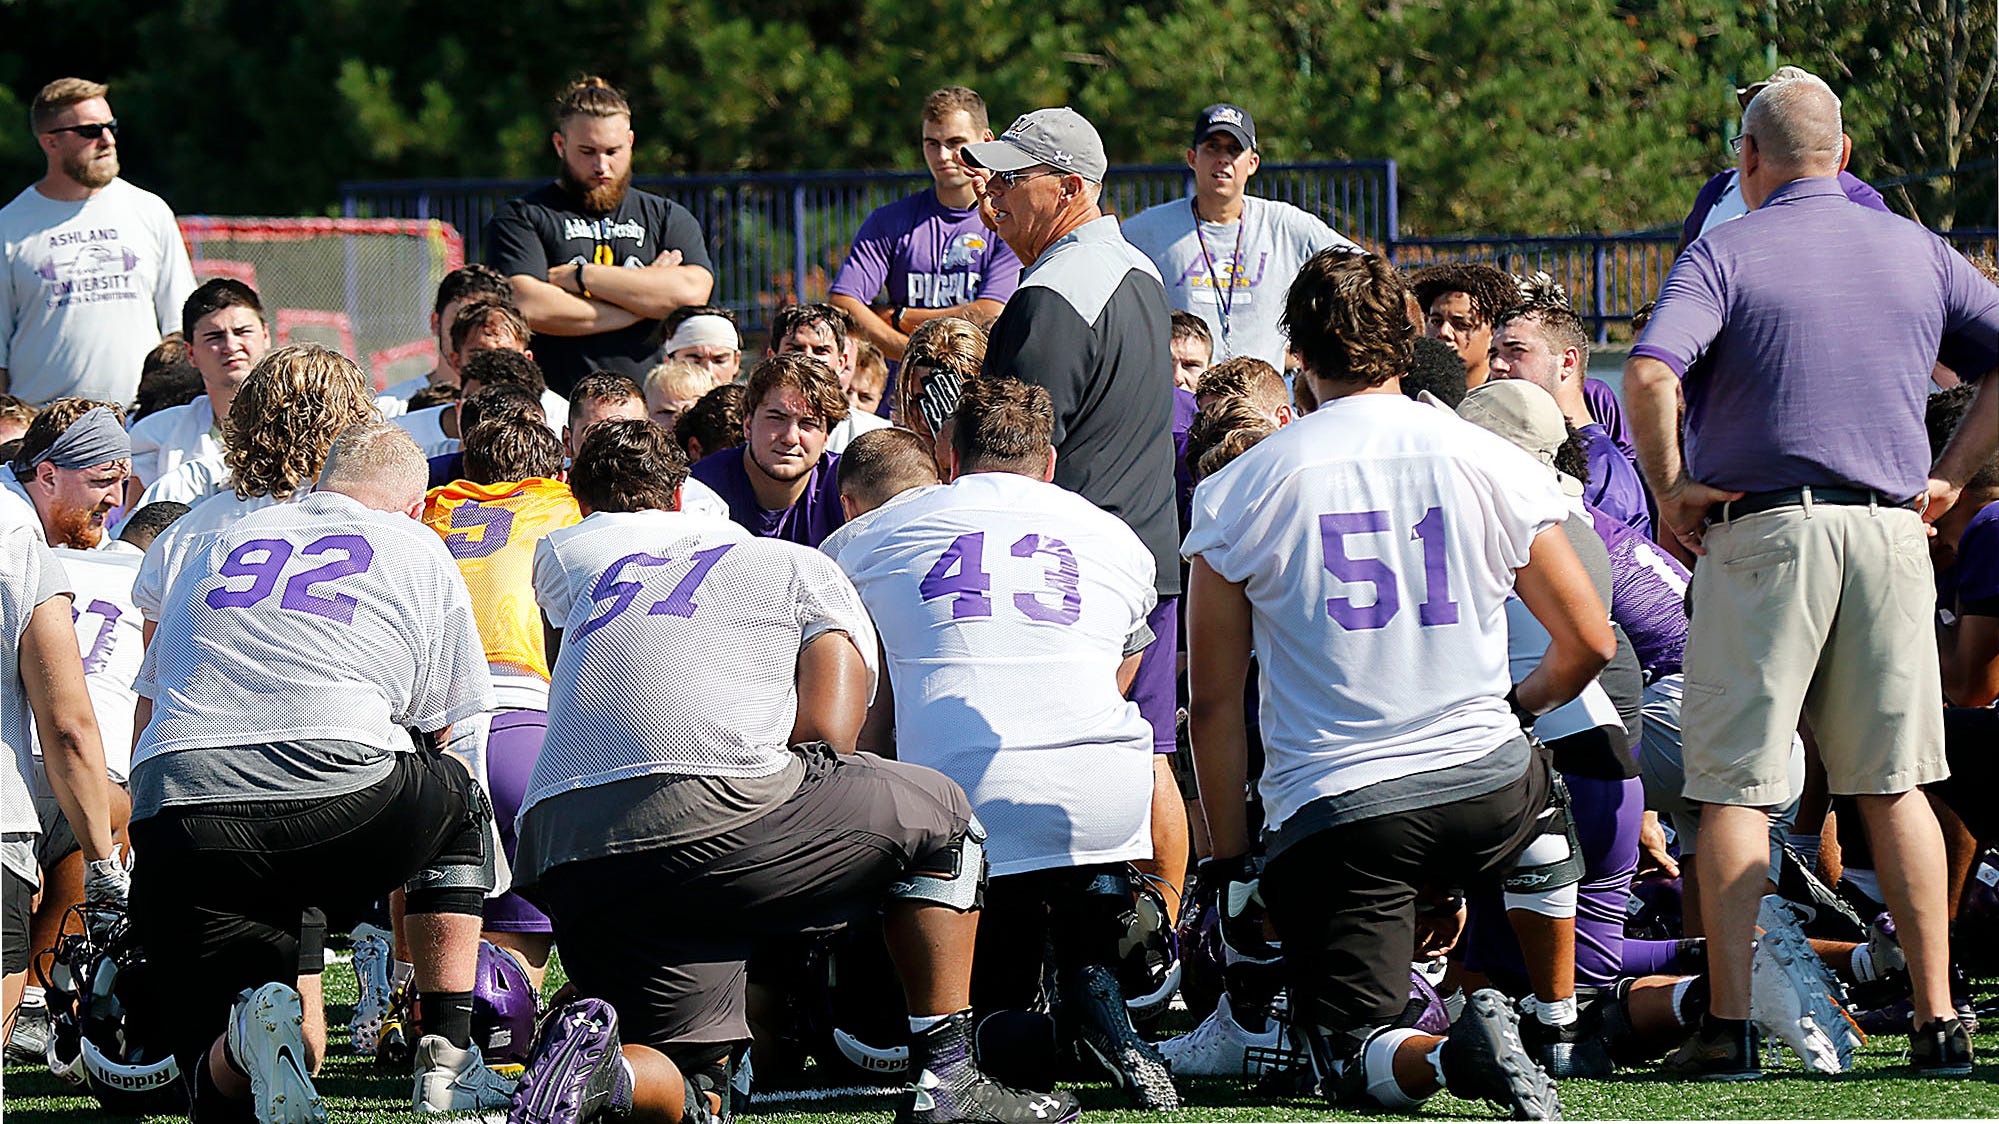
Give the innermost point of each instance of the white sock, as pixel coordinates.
(1862, 964)
(32, 996)
(1436, 1059)
(629, 1075)
(1561, 1012)
(1679, 997)
(920, 1023)
(1378, 1066)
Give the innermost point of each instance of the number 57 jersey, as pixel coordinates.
(1005, 606)
(320, 619)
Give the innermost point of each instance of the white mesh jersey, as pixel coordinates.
(1377, 540)
(164, 557)
(1003, 605)
(315, 620)
(680, 642)
(110, 634)
(29, 575)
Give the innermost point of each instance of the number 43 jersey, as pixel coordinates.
(1004, 606)
(320, 619)
(1377, 540)
(680, 643)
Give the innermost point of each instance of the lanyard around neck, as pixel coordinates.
(1224, 301)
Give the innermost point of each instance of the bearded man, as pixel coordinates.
(594, 265)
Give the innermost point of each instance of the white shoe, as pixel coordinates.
(1793, 997)
(1219, 1047)
(372, 957)
(267, 1038)
(449, 1079)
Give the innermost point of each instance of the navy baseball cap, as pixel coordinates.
(1224, 118)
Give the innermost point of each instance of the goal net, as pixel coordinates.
(360, 286)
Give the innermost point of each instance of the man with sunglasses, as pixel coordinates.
(95, 271)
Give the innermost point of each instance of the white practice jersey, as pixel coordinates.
(163, 441)
(680, 642)
(1377, 540)
(320, 619)
(110, 633)
(1003, 605)
(29, 575)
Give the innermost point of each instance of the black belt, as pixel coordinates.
(1756, 502)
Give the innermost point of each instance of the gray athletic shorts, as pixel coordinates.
(664, 934)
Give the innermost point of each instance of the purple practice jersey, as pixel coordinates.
(1613, 484)
(1648, 595)
(927, 255)
(1976, 574)
(816, 514)
(1609, 413)
(1183, 473)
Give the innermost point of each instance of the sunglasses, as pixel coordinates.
(1010, 180)
(91, 131)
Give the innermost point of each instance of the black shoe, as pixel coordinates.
(1718, 1051)
(949, 1086)
(1484, 1058)
(1941, 1049)
(1093, 1006)
(1577, 1049)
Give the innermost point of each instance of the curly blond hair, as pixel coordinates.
(293, 405)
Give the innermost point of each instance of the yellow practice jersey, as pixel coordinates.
(492, 529)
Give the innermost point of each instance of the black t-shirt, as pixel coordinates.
(546, 228)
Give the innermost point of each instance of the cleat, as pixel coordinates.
(576, 1070)
(1483, 1058)
(1575, 1049)
(1220, 1047)
(1793, 997)
(32, 1035)
(267, 1039)
(449, 1079)
(949, 1086)
(1717, 1053)
(1941, 1049)
(375, 1007)
(1101, 1027)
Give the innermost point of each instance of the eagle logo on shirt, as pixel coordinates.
(964, 251)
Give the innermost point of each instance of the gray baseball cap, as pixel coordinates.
(1060, 138)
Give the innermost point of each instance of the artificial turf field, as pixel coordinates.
(1880, 1088)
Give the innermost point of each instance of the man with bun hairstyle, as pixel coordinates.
(594, 265)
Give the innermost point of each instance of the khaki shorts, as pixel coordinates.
(1823, 612)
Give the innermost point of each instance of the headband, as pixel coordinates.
(94, 438)
(705, 330)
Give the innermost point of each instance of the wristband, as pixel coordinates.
(895, 317)
(1520, 713)
(582, 290)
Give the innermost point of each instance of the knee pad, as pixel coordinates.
(1544, 878)
(954, 876)
(464, 870)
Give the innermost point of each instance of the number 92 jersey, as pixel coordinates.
(1377, 540)
(320, 619)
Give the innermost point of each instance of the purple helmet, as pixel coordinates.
(503, 1007)
(1148, 954)
(1428, 1009)
(1656, 908)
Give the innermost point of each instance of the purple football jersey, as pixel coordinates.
(1183, 473)
(927, 255)
(1977, 569)
(1648, 595)
(1614, 485)
(816, 514)
(1609, 413)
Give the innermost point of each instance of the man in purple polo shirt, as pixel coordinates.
(1816, 324)
(782, 484)
(928, 255)
(1546, 344)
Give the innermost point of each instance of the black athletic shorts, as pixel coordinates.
(16, 896)
(1343, 900)
(220, 892)
(663, 934)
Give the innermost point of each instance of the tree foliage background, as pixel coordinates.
(1536, 116)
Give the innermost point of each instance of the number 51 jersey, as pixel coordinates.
(1004, 606)
(320, 619)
